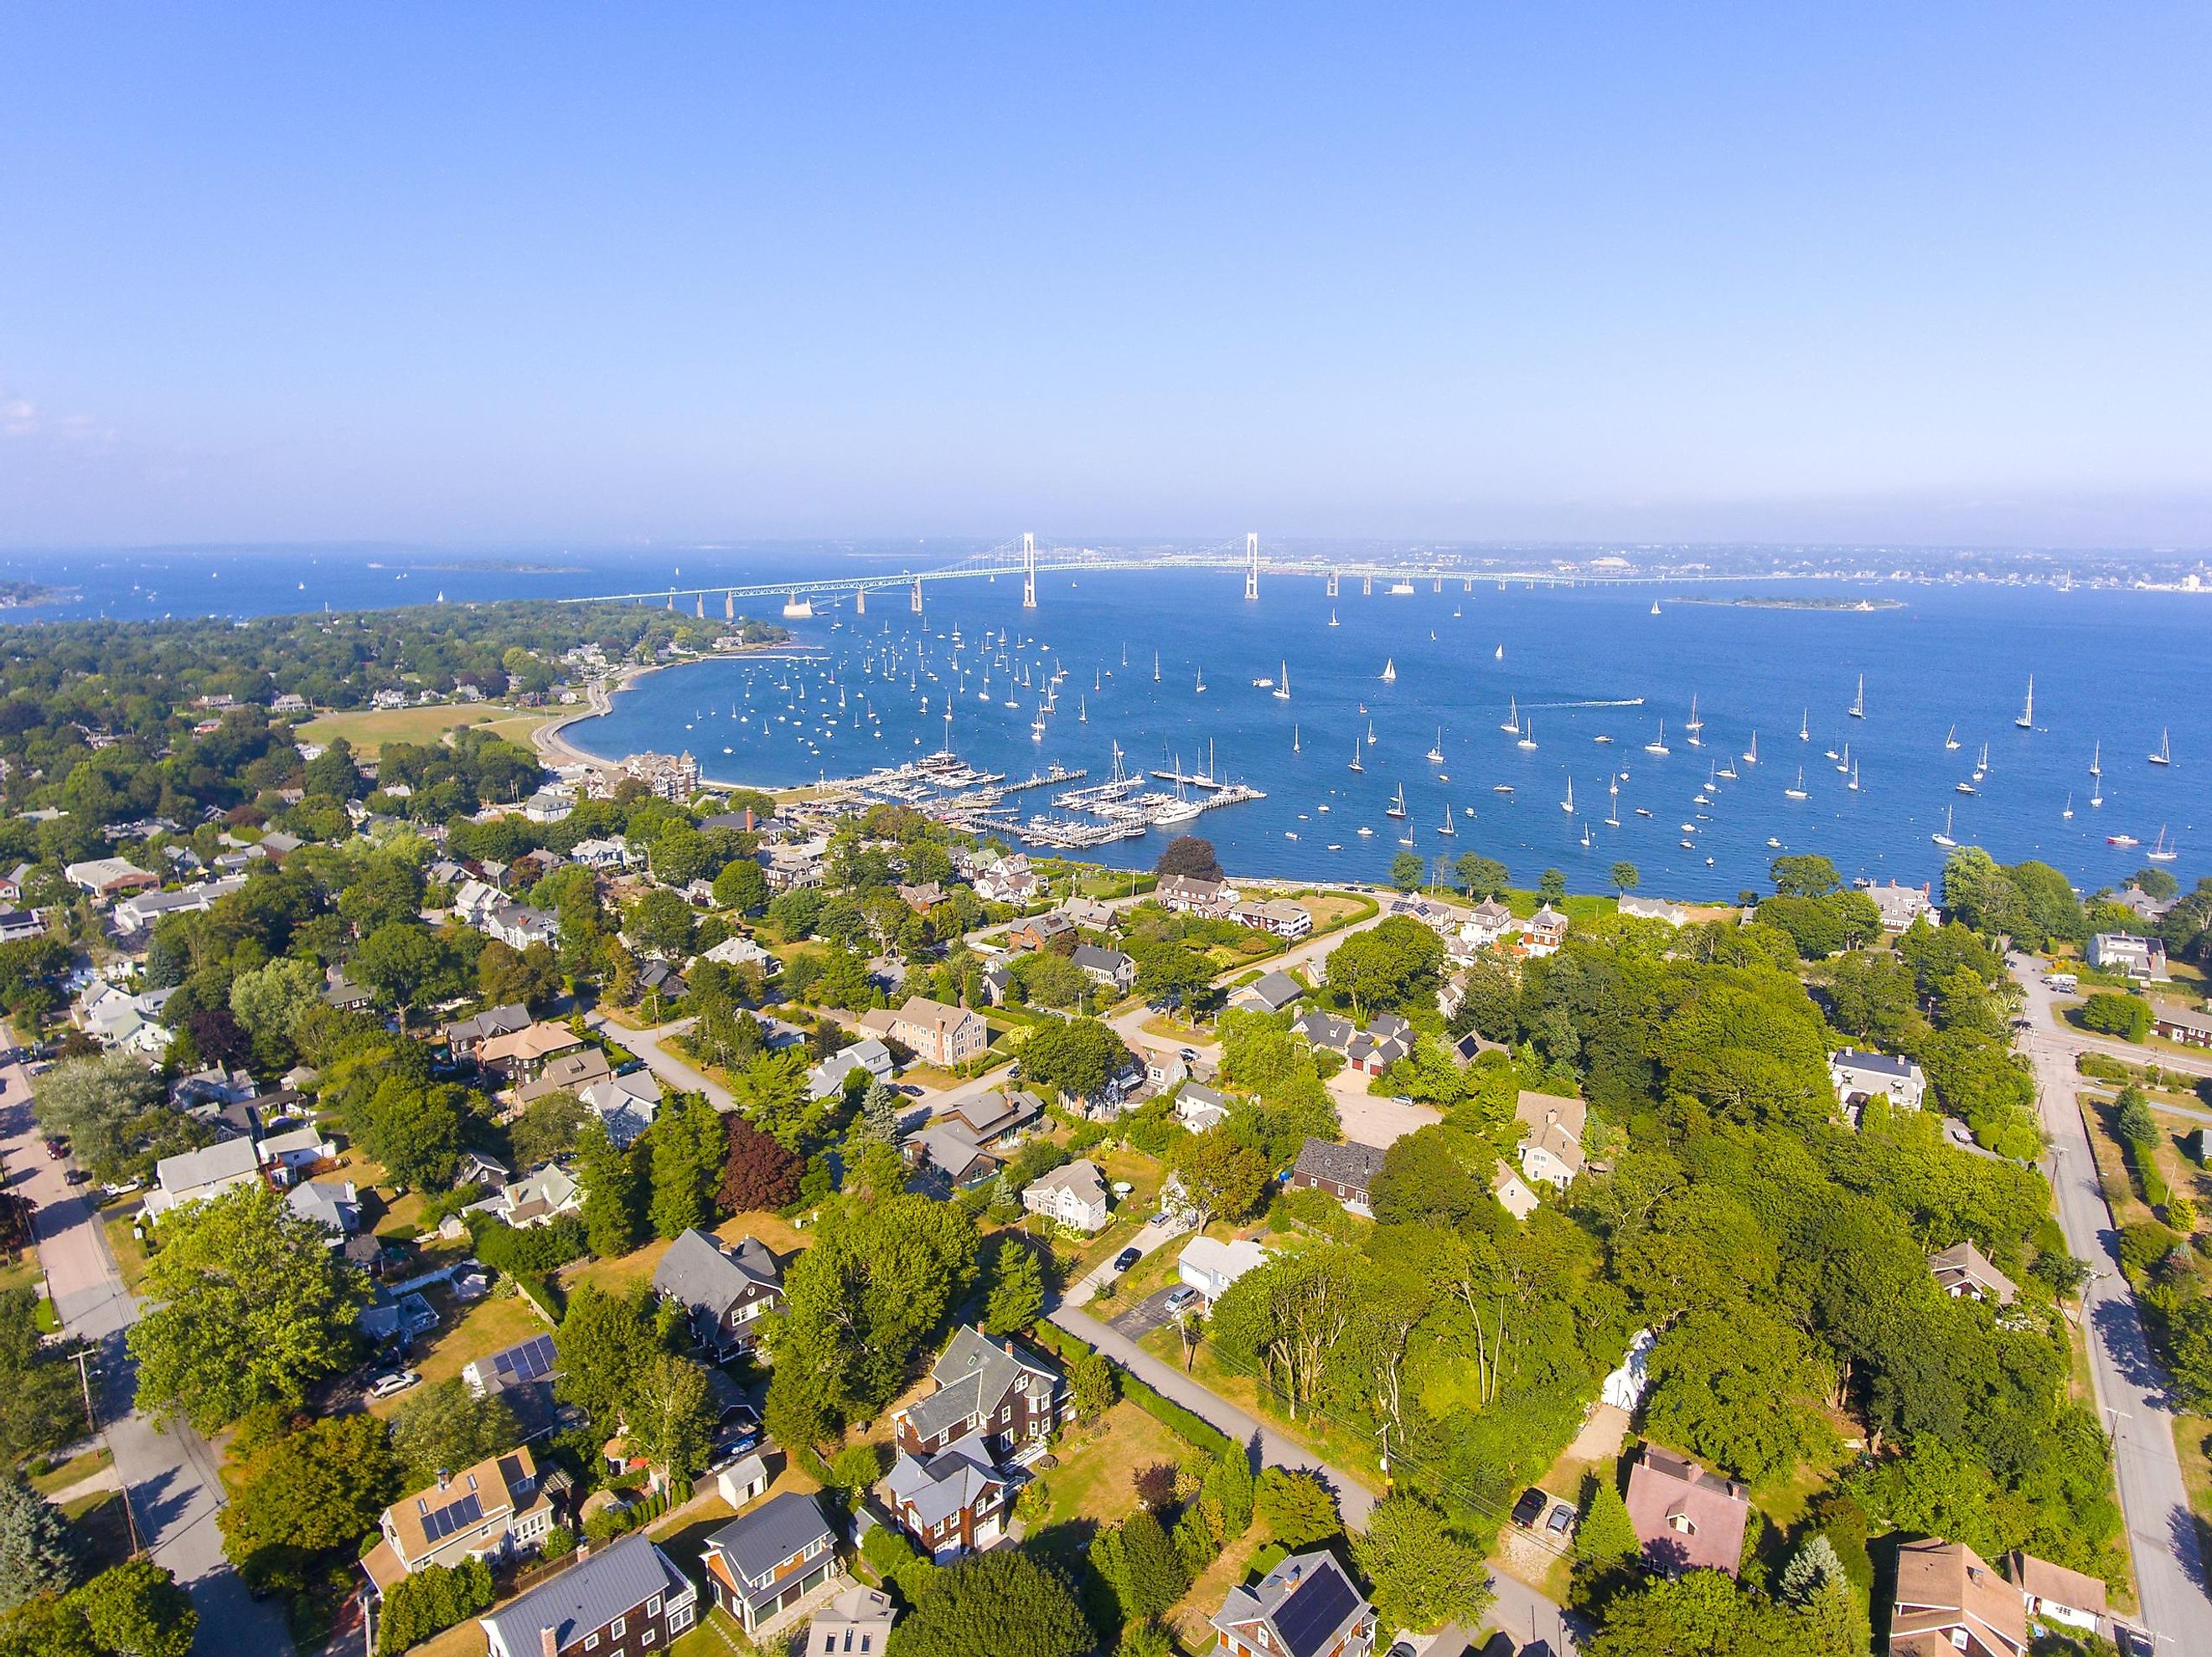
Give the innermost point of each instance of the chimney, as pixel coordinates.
(549, 1642)
(583, 1550)
(444, 1477)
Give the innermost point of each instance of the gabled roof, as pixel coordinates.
(191, 1170)
(756, 1542)
(1306, 1602)
(1963, 1266)
(1877, 1064)
(530, 1043)
(1091, 958)
(588, 1595)
(698, 1271)
(972, 1374)
(936, 1487)
(1685, 1516)
(1353, 1165)
(1275, 991)
(1080, 1178)
(1943, 1586)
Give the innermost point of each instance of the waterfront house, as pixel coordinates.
(856, 1624)
(1963, 1272)
(1014, 1399)
(1305, 1606)
(1545, 931)
(1551, 1148)
(1276, 916)
(1654, 908)
(764, 1562)
(1074, 1195)
(1189, 895)
(624, 1600)
(723, 1291)
(1859, 1077)
(1951, 1602)
(2127, 954)
(1686, 1519)
(934, 1033)
(485, 1512)
(951, 1502)
(1346, 1172)
(1900, 905)
(1488, 923)
(1210, 1265)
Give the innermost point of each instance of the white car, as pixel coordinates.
(389, 1385)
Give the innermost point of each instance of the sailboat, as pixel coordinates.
(1796, 790)
(1436, 752)
(1397, 806)
(1389, 671)
(1201, 691)
(1294, 739)
(1805, 727)
(1944, 839)
(1655, 606)
(1982, 765)
(1499, 655)
(1658, 743)
(1356, 765)
(2165, 755)
(1695, 724)
(1527, 737)
(1844, 763)
(2097, 759)
(1951, 739)
(1445, 827)
(1857, 709)
(1853, 785)
(1082, 712)
(1512, 725)
(1568, 803)
(2069, 812)
(1332, 621)
(1751, 754)
(2162, 852)
(1156, 667)
(2027, 720)
(1282, 685)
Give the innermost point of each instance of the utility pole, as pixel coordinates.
(91, 1426)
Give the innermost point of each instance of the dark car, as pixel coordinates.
(76, 1175)
(1126, 1259)
(1530, 1507)
(57, 1148)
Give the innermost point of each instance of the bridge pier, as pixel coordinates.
(1029, 570)
(860, 601)
(1367, 586)
(730, 606)
(1439, 586)
(701, 611)
(914, 603)
(1252, 565)
(672, 598)
(1331, 584)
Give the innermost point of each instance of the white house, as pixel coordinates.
(1551, 1148)
(868, 1054)
(1624, 1388)
(744, 952)
(1859, 1077)
(1210, 1265)
(612, 853)
(195, 1176)
(2124, 952)
(1074, 1195)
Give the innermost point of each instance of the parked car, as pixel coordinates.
(1561, 1523)
(1530, 1507)
(57, 1148)
(391, 1383)
(1180, 1296)
(1126, 1259)
(76, 1175)
(1188, 1055)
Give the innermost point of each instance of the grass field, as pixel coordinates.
(1095, 1477)
(130, 1253)
(370, 730)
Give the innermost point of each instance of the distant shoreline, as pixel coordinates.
(1847, 606)
(552, 740)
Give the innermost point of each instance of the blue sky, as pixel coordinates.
(557, 274)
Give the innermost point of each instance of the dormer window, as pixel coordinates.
(1681, 1523)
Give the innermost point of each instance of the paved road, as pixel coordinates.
(2130, 1385)
(649, 1045)
(1519, 1609)
(170, 1476)
(2046, 1017)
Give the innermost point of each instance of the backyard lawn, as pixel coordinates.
(498, 1321)
(784, 1239)
(1095, 1478)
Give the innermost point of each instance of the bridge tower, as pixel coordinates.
(1331, 584)
(1367, 585)
(1029, 570)
(672, 598)
(701, 608)
(914, 603)
(1439, 586)
(860, 601)
(1252, 565)
(730, 606)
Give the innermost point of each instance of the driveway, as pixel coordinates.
(1148, 1314)
(169, 1477)
(2131, 1388)
(648, 1045)
(1146, 1240)
(1369, 1118)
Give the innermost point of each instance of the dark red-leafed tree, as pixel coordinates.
(1188, 854)
(218, 1037)
(758, 1175)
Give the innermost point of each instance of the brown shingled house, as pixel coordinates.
(1951, 1601)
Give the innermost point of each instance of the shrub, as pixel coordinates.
(430, 1601)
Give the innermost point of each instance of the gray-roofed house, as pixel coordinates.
(334, 1207)
(1200, 1109)
(997, 1118)
(726, 1291)
(1014, 1399)
(465, 1035)
(1306, 1606)
(628, 1598)
(521, 1377)
(856, 1624)
(1963, 1272)
(625, 1104)
(946, 1157)
(1859, 1077)
(1107, 968)
(869, 1054)
(1386, 1039)
(195, 1176)
(539, 1198)
(767, 1560)
(1551, 1147)
(1074, 1194)
(1270, 993)
(1346, 1172)
(951, 1502)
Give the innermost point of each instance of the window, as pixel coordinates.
(590, 1642)
(652, 1606)
(648, 1638)
(679, 1618)
(615, 1632)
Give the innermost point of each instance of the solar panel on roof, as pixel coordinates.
(457, 1516)
(531, 1361)
(1315, 1609)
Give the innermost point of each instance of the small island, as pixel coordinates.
(1783, 602)
(15, 595)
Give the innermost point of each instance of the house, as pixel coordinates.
(2056, 1594)
(1346, 1172)
(1210, 1265)
(1487, 924)
(1962, 1271)
(624, 1600)
(1859, 1077)
(1074, 1194)
(483, 1512)
(518, 1055)
(1901, 906)
(1039, 932)
(13, 882)
(1010, 880)
(998, 1118)
(992, 1387)
(998, 979)
(1624, 1388)
(767, 1560)
(951, 1502)
(923, 898)
(518, 926)
(856, 1624)
(465, 1037)
(724, 1291)
(1386, 1039)
(341, 993)
(1653, 908)
(216, 1085)
(1277, 916)
(195, 1176)
(521, 1377)
(1189, 895)
(1271, 992)
(1306, 1606)
(16, 925)
(548, 804)
(1545, 931)
(334, 1206)
(1551, 1148)
(390, 1316)
(108, 878)
(745, 952)
(574, 1072)
(934, 1033)
(1952, 1603)
(138, 913)
(2125, 953)
(945, 1156)
(539, 1198)
(2191, 1029)
(1200, 1109)
(1686, 1519)
(1110, 970)
(1513, 1193)
(2151, 910)
(290, 1154)
(611, 853)
(625, 1105)
(869, 1054)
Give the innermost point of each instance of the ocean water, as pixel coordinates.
(2113, 668)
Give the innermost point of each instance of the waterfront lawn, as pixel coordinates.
(369, 730)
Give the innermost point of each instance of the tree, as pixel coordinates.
(430, 1600)
(1424, 1576)
(741, 887)
(1552, 886)
(1423, 1179)
(669, 1412)
(1480, 877)
(307, 1493)
(1298, 1510)
(1605, 1540)
(1189, 855)
(1803, 875)
(1223, 1179)
(2127, 1017)
(610, 1188)
(1092, 1383)
(687, 1142)
(270, 999)
(659, 922)
(547, 1128)
(1625, 877)
(398, 960)
(443, 1426)
(1152, 1577)
(1389, 965)
(1017, 1288)
(879, 1114)
(99, 1102)
(39, 1553)
(1001, 1604)
(250, 1306)
(758, 1175)
(602, 1339)
(2155, 884)
(135, 1609)
(1406, 869)
(414, 1129)
(1076, 1059)
(39, 1409)
(1739, 1387)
